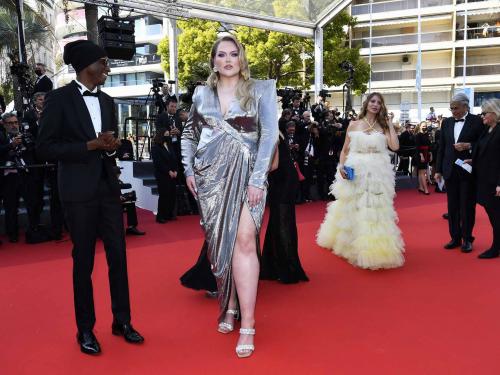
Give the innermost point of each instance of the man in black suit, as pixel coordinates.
(78, 128)
(42, 83)
(169, 120)
(459, 135)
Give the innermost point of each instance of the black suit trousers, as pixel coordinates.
(86, 220)
(461, 205)
(167, 197)
(15, 186)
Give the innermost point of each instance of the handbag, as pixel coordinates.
(299, 173)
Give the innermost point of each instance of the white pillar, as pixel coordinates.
(418, 74)
(318, 60)
(173, 53)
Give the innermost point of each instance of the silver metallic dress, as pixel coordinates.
(226, 154)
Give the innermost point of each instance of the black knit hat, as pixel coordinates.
(82, 53)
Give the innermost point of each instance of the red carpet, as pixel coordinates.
(439, 314)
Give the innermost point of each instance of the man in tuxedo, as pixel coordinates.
(42, 83)
(458, 137)
(78, 128)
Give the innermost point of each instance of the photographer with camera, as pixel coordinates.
(331, 140)
(319, 109)
(310, 143)
(17, 152)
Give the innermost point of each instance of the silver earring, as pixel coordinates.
(215, 69)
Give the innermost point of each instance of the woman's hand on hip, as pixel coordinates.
(191, 184)
(255, 195)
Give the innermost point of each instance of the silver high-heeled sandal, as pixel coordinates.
(245, 350)
(225, 327)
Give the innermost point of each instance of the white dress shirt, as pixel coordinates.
(459, 125)
(93, 106)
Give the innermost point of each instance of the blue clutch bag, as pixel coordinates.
(349, 172)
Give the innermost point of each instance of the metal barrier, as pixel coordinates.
(145, 137)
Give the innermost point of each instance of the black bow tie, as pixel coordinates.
(88, 93)
(461, 120)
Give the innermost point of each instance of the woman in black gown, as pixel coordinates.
(280, 259)
(423, 156)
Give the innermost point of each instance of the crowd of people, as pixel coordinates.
(233, 154)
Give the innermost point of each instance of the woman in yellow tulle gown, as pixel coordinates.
(360, 225)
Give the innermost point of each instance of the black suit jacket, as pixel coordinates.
(65, 129)
(163, 160)
(44, 84)
(164, 121)
(486, 165)
(447, 155)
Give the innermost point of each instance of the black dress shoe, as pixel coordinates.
(466, 247)
(135, 231)
(128, 332)
(13, 239)
(161, 221)
(445, 216)
(488, 254)
(88, 342)
(452, 245)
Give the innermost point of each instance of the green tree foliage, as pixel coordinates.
(336, 51)
(194, 44)
(271, 54)
(35, 31)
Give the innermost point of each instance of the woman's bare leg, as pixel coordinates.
(246, 272)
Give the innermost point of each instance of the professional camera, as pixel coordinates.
(28, 141)
(346, 66)
(288, 94)
(157, 83)
(324, 94)
(129, 197)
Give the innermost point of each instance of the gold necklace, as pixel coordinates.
(370, 126)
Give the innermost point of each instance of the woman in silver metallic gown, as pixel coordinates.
(228, 145)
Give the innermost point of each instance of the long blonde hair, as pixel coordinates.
(244, 89)
(381, 117)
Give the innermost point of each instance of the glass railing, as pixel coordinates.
(137, 60)
(477, 70)
(394, 40)
(388, 6)
(469, 1)
(127, 82)
(479, 32)
(410, 74)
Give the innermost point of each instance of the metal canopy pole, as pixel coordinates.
(173, 53)
(464, 73)
(318, 60)
(370, 55)
(419, 66)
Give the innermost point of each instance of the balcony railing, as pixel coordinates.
(394, 40)
(410, 74)
(479, 32)
(137, 60)
(477, 70)
(469, 1)
(388, 6)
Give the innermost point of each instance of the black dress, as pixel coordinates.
(280, 258)
(200, 276)
(423, 144)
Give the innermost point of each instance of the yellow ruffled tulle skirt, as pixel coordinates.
(360, 226)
